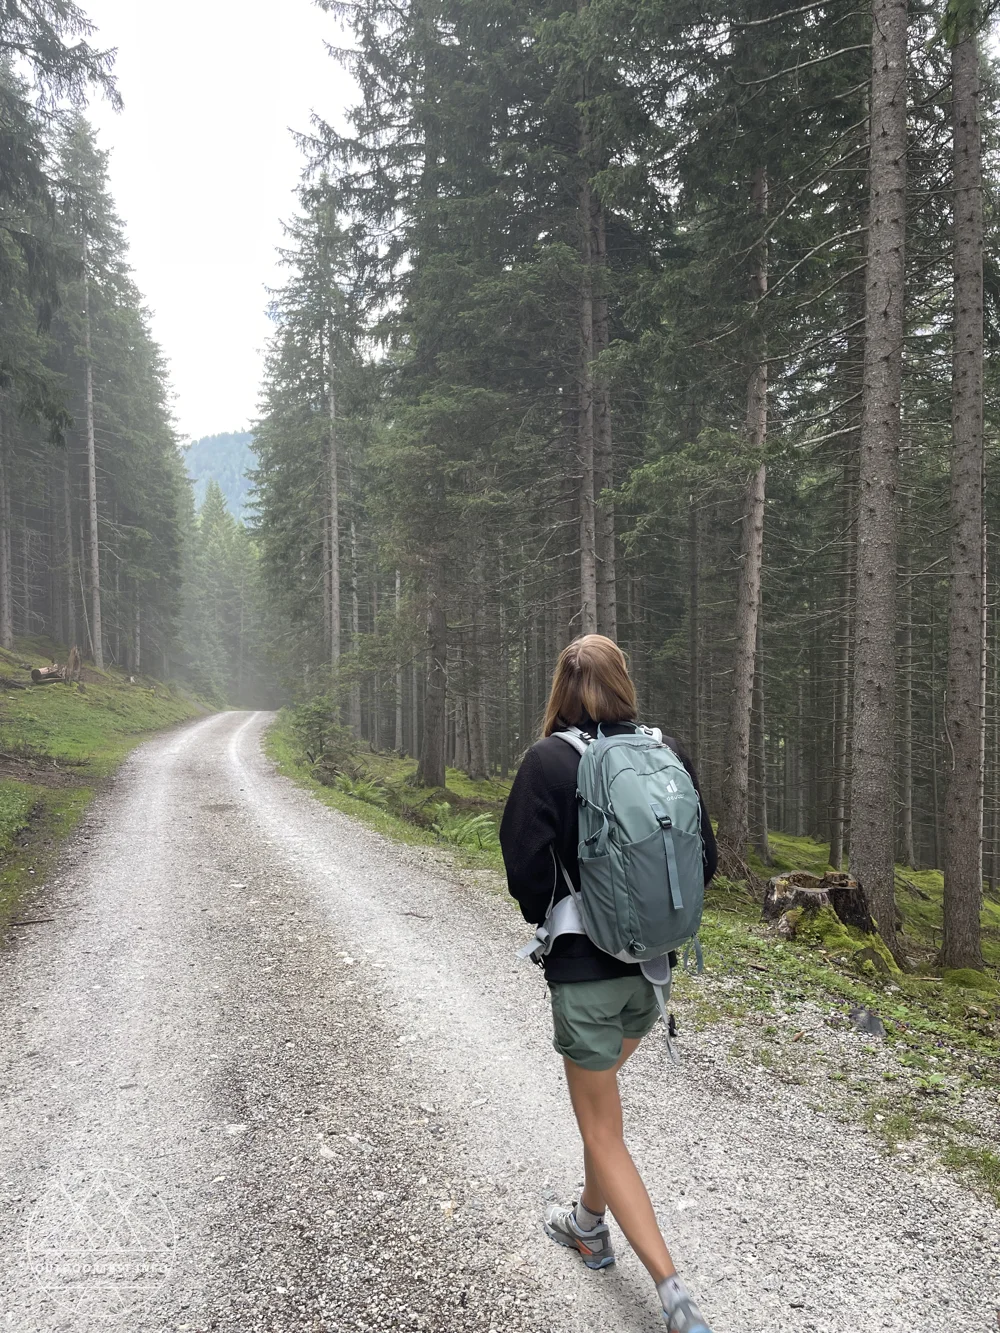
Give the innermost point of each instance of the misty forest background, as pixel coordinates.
(664, 320)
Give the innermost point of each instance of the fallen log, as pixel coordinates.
(48, 675)
(57, 672)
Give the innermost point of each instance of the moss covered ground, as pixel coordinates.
(56, 744)
(932, 1082)
(919, 895)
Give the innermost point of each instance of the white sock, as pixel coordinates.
(585, 1219)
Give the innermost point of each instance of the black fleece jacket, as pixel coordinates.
(541, 815)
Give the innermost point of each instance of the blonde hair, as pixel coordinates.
(591, 678)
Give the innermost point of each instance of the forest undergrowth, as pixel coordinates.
(57, 742)
(928, 1089)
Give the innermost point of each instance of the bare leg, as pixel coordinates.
(592, 1198)
(611, 1173)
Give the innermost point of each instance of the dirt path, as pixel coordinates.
(264, 1071)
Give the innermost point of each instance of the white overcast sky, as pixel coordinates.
(203, 170)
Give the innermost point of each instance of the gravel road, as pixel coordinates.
(264, 1069)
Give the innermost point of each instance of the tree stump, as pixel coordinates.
(801, 889)
(849, 902)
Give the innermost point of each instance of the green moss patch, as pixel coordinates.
(968, 979)
(825, 930)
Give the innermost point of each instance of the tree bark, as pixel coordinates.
(585, 429)
(354, 699)
(96, 633)
(333, 468)
(325, 556)
(415, 711)
(398, 742)
(734, 812)
(961, 944)
(936, 839)
(694, 633)
(872, 821)
(375, 697)
(758, 757)
(475, 700)
(83, 590)
(842, 703)
(26, 606)
(6, 590)
(70, 562)
(604, 480)
(431, 768)
(586, 406)
(907, 852)
(995, 750)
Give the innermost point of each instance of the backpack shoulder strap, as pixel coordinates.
(575, 737)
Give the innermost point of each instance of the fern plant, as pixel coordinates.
(464, 830)
(362, 789)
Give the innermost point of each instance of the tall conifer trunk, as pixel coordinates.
(398, 743)
(587, 407)
(995, 748)
(758, 756)
(734, 809)
(963, 811)
(70, 560)
(840, 785)
(853, 378)
(6, 590)
(585, 420)
(96, 634)
(604, 480)
(431, 766)
(694, 633)
(333, 480)
(907, 853)
(872, 804)
(354, 698)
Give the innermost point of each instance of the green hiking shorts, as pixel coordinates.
(592, 1018)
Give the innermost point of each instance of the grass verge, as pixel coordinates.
(57, 742)
(381, 792)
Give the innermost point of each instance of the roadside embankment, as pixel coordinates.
(57, 742)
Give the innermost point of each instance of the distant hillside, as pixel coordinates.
(225, 459)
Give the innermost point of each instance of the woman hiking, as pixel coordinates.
(601, 1007)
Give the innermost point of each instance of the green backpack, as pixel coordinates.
(642, 877)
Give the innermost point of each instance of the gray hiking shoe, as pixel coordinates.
(594, 1246)
(685, 1317)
